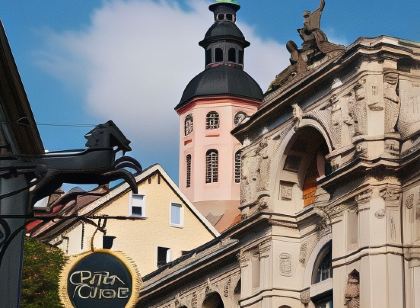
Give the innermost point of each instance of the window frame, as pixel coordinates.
(168, 256)
(188, 117)
(211, 175)
(188, 170)
(230, 54)
(212, 123)
(181, 215)
(144, 206)
(237, 170)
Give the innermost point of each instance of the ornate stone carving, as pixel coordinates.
(390, 193)
(409, 202)
(357, 107)
(286, 190)
(380, 214)
(364, 197)
(305, 296)
(352, 293)
(286, 265)
(303, 252)
(264, 165)
(226, 289)
(392, 147)
(362, 150)
(194, 300)
(315, 47)
(392, 101)
(297, 115)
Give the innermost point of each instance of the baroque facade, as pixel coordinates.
(330, 194)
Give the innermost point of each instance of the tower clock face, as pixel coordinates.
(239, 117)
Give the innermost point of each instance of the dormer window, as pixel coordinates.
(219, 55)
(232, 55)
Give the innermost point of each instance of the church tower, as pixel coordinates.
(213, 103)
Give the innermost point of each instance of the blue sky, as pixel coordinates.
(90, 61)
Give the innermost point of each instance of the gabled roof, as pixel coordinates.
(97, 200)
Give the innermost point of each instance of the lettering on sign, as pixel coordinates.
(99, 279)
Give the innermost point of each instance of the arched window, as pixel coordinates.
(241, 57)
(212, 166)
(220, 16)
(323, 265)
(219, 55)
(188, 125)
(208, 56)
(188, 165)
(238, 167)
(229, 17)
(232, 55)
(212, 120)
(239, 117)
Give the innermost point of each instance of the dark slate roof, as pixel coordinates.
(221, 80)
(223, 30)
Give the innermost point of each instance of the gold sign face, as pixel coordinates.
(102, 278)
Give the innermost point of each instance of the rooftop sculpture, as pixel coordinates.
(315, 47)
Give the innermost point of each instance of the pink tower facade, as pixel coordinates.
(213, 103)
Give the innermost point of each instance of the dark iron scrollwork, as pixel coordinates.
(97, 164)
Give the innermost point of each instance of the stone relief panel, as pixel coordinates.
(286, 267)
(392, 101)
(409, 119)
(286, 190)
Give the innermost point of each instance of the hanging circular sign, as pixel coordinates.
(102, 278)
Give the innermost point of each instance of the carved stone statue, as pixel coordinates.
(312, 35)
(352, 294)
(263, 165)
(297, 115)
(392, 102)
(357, 108)
(315, 46)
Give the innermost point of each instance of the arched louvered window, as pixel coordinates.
(232, 55)
(219, 55)
(212, 166)
(188, 165)
(212, 120)
(238, 167)
(188, 125)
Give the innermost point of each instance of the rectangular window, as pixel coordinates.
(163, 256)
(138, 206)
(176, 214)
